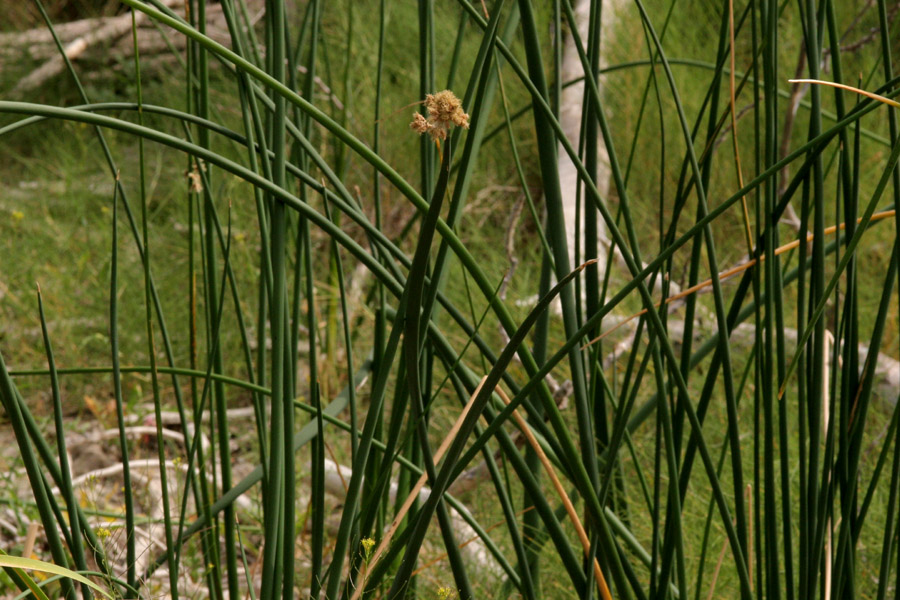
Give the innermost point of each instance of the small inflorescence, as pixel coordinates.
(444, 111)
(367, 545)
(194, 176)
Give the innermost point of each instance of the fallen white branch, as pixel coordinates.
(111, 29)
(144, 469)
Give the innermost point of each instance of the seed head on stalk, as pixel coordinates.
(444, 111)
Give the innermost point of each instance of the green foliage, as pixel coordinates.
(263, 230)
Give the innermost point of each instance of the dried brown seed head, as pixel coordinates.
(419, 124)
(445, 108)
(444, 111)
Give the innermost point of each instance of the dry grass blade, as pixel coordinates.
(414, 492)
(734, 271)
(557, 485)
(734, 130)
(848, 88)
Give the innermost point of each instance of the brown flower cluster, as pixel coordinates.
(444, 111)
(194, 176)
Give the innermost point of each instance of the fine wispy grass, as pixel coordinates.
(320, 355)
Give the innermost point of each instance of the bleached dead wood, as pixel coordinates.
(570, 112)
(887, 369)
(101, 31)
(105, 41)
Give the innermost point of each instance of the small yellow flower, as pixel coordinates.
(18, 215)
(444, 593)
(367, 544)
(103, 533)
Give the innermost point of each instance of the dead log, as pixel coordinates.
(103, 42)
